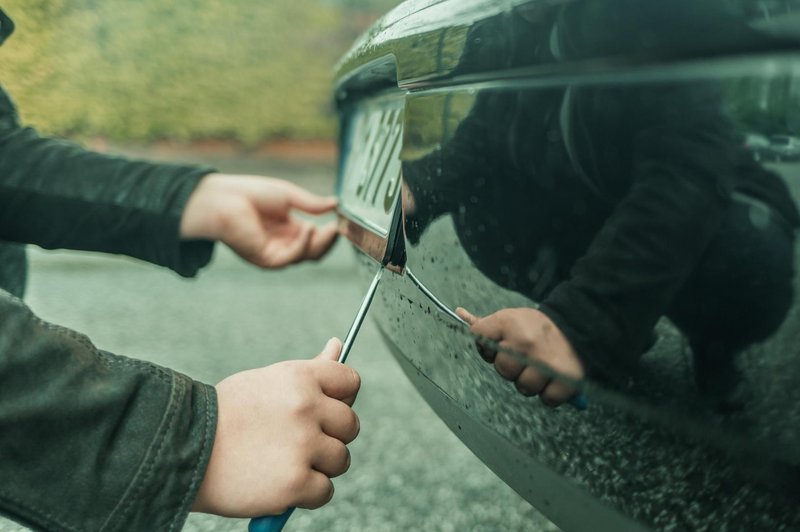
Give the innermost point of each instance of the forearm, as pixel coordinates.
(132, 438)
(636, 264)
(57, 194)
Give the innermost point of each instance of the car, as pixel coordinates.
(785, 147)
(579, 163)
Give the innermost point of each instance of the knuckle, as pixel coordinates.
(355, 428)
(342, 460)
(328, 495)
(323, 496)
(525, 388)
(549, 399)
(348, 460)
(298, 481)
(301, 404)
(350, 427)
(526, 343)
(506, 366)
(356, 378)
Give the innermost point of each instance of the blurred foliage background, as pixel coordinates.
(144, 70)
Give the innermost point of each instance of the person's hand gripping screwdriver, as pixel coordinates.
(281, 436)
(275, 523)
(528, 331)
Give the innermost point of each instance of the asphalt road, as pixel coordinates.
(409, 472)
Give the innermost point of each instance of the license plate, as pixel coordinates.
(370, 174)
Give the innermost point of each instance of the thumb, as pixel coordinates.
(331, 350)
(466, 315)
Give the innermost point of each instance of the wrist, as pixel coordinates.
(201, 217)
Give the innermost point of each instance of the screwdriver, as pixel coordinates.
(275, 523)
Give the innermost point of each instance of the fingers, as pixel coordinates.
(536, 338)
(309, 243)
(508, 366)
(314, 490)
(322, 239)
(332, 457)
(286, 253)
(301, 199)
(531, 382)
(336, 380)
(466, 315)
(492, 327)
(339, 421)
(487, 329)
(557, 392)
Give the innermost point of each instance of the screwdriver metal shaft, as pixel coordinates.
(359, 319)
(275, 523)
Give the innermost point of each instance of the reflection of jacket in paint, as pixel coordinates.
(601, 202)
(91, 440)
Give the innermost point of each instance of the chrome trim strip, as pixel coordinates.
(435, 300)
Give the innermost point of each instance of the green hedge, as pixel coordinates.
(140, 70)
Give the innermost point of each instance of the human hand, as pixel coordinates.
(281, 436)
(532, 333)
(253, 216)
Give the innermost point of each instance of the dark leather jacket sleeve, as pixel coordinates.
(56, 194)
(90, 440)
(94, 441)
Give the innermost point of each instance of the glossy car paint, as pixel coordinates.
(492, 95)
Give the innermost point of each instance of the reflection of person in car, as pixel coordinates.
(613, 206)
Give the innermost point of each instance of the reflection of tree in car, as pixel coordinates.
(613, 205)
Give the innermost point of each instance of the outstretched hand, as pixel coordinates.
(532, 333)
(254, 217)
(281, 436)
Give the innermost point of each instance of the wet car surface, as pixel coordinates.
(584, 159)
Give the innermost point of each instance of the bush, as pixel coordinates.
(141, 70)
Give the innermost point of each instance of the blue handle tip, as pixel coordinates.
(579, 402)
(270, 523)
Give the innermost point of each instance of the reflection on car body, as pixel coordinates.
(785, 147)
(757, 145)
(584, 159)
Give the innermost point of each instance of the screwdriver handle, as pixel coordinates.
(270, 523)
(580, 402)
(275, 523)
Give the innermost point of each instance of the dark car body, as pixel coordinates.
(509, 152)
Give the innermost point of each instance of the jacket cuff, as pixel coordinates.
(166, 484)
(598, 340)
(185, 257)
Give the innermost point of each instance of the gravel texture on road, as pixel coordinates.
(409, 472)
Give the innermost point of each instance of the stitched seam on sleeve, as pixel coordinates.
(142, 478)
(199, 470)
